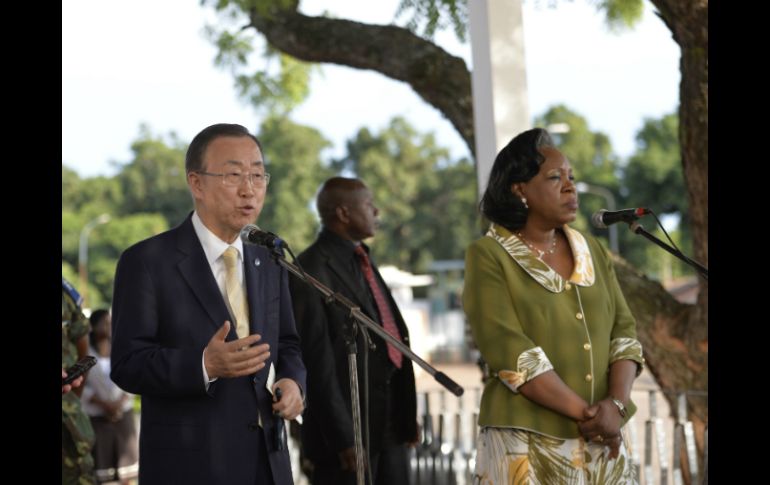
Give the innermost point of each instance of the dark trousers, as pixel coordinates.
(264, 475)
(390, 466)
(389, 460)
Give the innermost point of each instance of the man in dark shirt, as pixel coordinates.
(341, 261)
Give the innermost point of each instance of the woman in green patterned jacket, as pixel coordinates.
(548, 316)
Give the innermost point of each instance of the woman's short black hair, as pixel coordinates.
(518, 161)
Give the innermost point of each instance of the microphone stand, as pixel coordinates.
(357, 317)
(637, 228)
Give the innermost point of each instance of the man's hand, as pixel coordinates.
(65, 388)
(416, 440)
(290, 406)
(348, 459)
(240, 357)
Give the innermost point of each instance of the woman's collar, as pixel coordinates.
(583, 274)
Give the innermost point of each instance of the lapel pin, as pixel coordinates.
(257, 262)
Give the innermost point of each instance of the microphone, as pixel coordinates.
(603, 218)
(251, 233)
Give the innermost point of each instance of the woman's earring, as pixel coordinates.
(524, 201)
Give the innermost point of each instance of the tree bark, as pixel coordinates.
(688, 22)
(675, 343)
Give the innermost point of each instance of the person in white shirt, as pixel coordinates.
(116, 452)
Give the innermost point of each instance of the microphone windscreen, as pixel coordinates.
(598, 219)
(247, 230)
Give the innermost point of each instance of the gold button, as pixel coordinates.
(589, 377)
(568, 286)
(579, 316)
(587, 346)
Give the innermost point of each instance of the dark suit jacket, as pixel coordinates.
(166, 308)
(328, 425)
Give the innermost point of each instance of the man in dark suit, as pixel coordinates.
(206, 384)
(340, 260)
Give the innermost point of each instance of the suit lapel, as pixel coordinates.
(257, 272)
(197, 273)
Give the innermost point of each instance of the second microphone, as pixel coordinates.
(603, 218)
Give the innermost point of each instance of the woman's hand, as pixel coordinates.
(614, 446)
(601, 421)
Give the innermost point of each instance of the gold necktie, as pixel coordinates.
(236, 293)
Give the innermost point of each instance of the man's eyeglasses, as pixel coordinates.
(235, 179)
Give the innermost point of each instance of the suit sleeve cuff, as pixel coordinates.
(206, 380)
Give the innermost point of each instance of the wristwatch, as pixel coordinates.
(619, 404)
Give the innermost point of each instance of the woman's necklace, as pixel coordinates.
(539, 252)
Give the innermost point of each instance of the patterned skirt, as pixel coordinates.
(511, 456)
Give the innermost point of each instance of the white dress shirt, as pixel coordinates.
(213, 248)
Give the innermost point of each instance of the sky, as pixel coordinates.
(148, 61)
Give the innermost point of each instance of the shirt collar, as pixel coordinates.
(583, 274)
(213, 247)
(340, 245)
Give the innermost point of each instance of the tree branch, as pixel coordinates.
(441, 79)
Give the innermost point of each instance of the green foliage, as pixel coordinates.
(90, 197)
(436, 15)
(144, 198)
(276, 93)
(653, 178)
(654, 171)
(261, 7)
(106, 245)
(155, 181)
(233, 48)
(120, 233)
(620, 14)
(70, 188)
(448, 213)
(281, 83)
(292, 154)
(71, 223)
(84, 200)
(427, 203)
(69, 273)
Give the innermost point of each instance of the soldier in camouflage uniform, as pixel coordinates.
(77, 435)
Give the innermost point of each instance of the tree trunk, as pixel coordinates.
(674, 340)
(688, 23)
